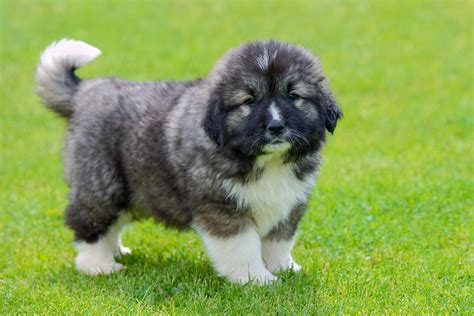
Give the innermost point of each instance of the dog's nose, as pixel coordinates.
(276, 127)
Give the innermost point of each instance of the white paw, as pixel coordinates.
(295, 267)
(277, 265)
(97, 267)
(245, 275)
(96, 258)
(122, 251)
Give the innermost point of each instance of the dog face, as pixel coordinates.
(270, 97)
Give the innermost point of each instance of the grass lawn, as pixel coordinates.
(389, 227)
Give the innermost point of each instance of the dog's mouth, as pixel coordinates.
(267, 144)
(275, 146)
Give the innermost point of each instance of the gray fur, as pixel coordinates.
(286, 230)
(57, 86)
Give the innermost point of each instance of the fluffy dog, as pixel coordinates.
(233, 155)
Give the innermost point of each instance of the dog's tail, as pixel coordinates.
(56, 82)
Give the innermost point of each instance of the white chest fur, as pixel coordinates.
(272, 197)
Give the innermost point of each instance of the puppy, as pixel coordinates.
(233, 156)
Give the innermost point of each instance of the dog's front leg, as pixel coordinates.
(277, 245)
(237, 257)
(277, 255)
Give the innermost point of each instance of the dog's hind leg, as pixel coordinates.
(97, 257)
(96, 214)
(97, 239)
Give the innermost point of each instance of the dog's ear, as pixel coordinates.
(213, 122)
(330, 107)
(334, 113)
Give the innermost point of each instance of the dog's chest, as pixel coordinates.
(272, 197)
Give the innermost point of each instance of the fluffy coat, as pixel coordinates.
(233, 155)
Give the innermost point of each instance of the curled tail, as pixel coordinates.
(56, 82)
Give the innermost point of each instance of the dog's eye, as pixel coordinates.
(249, 101)
(293, 96)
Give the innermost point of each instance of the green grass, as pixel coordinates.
(389, 227)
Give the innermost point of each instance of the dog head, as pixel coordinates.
(269, 97)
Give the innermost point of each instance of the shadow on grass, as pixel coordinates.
(158, 278)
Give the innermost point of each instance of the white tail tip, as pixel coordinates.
(68, 52)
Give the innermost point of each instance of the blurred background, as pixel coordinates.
(389, 227)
